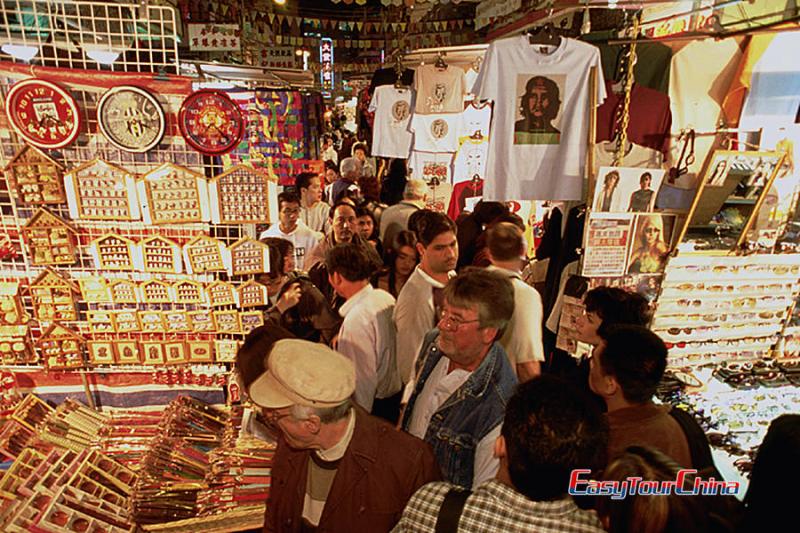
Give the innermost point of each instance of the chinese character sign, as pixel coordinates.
(210, 37)
(326, 63)
(278, 57)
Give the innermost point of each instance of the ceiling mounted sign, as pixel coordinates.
(43, 114)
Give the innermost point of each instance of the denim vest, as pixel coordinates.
(469, 414)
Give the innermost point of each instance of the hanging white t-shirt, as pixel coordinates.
(435, 170)
(392, 108)
(436, 133)
(475, 120)
(470, 160)
(439, 90)
(539, 154)
(469, 77)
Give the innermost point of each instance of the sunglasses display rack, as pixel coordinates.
(713, 309)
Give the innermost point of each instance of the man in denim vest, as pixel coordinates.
(464, 378)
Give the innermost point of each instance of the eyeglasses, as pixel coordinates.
(451, 323)
(273, 415)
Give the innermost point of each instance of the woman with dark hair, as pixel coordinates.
(400, 259)
(657, 513)
(368, 228)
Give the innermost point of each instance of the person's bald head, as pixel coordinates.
(505, 242)
(415, 190)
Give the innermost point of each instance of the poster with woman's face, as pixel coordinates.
(626, 189)
(652, 237)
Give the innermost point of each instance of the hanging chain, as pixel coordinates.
(623, 118)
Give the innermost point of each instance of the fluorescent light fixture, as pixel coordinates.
(104, 57)
(20, 51)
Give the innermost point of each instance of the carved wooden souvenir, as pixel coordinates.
(251, 320)
(202, 321)
(155, 292)
(124, 292)
(100, 321)
(36, 177)
(53, 298)
(175, 353)
(204, 254)
(50, 239)
(127, 352)
(101, 191)
(61, 348)
(249, 256)
(11, 309)
(225, 350)
(200, 351)
(113, 252)
(160, 254)
(221, 293)
(242, 196)
(95, 290)
(188, 292)
(227, 321)
(152, 321)
(173, 194)
(101, 352)
(252, 294)
(176, 321)
(14, 346)
(152, 352)
(126, 321)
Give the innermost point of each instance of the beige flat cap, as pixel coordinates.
(304, 373)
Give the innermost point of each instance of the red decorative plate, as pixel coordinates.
(211, 122)
(42, 113)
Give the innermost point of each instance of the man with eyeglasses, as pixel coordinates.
(464, 378)
(336, 468)
(289, 227)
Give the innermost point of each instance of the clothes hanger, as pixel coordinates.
(440, 62)
(544, 34)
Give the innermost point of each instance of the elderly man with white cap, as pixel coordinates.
(336, 467)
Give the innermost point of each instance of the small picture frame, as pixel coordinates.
(153, 352)
(176, 321)
(250, 320)
(127, 352)
(126, 321)
(152, 322)
(175, 353)
(200, 351)
(227, 321)
(100, 321)
(225, 350)
(202, 321)
(101, 352)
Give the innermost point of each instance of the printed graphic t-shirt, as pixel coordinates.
(439, 90)
(538, 146)
(392, 108)
(436, 133)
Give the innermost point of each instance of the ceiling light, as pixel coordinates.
(19, 51)
(104, 57)
(280, 2)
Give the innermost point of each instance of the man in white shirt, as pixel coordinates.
(464, 379)
(523, 337)
(394, 218)
(415, 313)
(328, 151)
(367, 335)
(290, 228)
(313, 211)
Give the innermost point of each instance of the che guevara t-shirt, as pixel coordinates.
(538, 145)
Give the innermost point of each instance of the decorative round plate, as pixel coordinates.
(42, 113)
(131, 118)
(211, 122)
